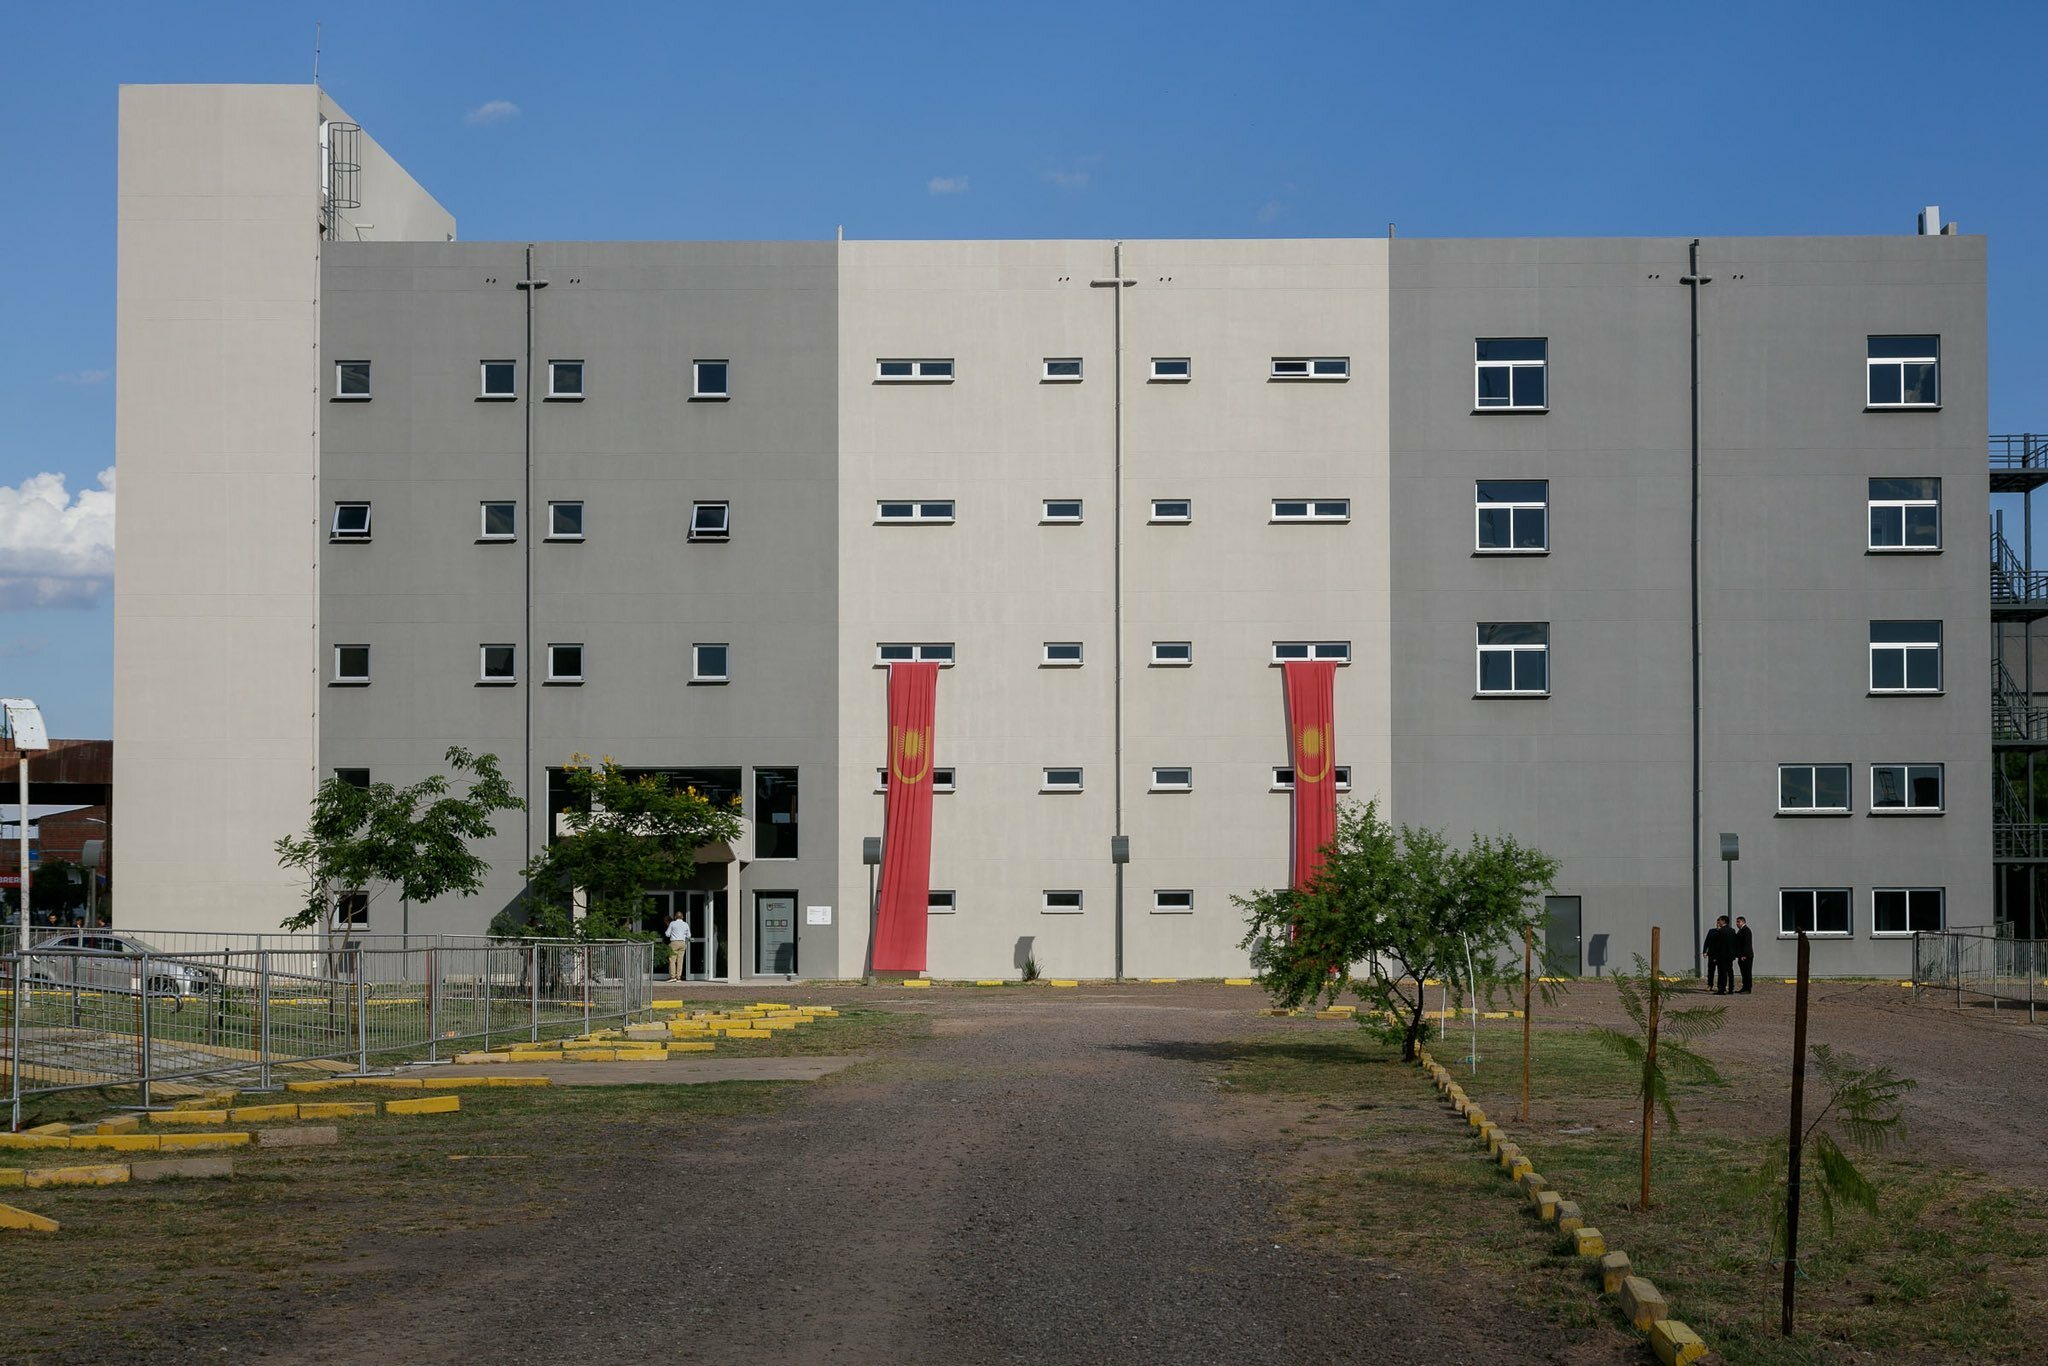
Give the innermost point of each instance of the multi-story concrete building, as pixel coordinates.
(681, 503)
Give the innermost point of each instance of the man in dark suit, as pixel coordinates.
(1745, 949)
(1720, 949)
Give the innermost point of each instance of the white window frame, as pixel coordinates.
(340, 395)
(943, 779)
(483, 381)
(1182, 378)
(335, 531)
(1514, 507)
(1906, 662)
(1046, 376)
(1813, 911)
(1172, 519)
(1047, 660)
(1480, 651)
(483, 521)
(555, 533)
(724, 530)
(1182, 902)
(697, 674)
(1903, 504)
(1294, 651)
(1047, 906)
(934, 906)
(917, 652)
(922, 511)
(1163, 780)
(1283, 777)
(701, 394)
(343, 680)
(1940, 895)
(554, 675)
(1313, 369)
(923, 370)
(1048, 517)
(555, 391)
(1848, 806)
(1940, 806)
(484, 677)
(1312, 510)
(1872, 363)
(1479, 406)
(1050, 780)
(1169, 662)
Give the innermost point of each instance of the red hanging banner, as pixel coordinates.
(904, 903)
(1311, 706)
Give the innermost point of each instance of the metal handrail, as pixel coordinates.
(2019, 451)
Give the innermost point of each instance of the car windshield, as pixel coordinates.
(128, 943)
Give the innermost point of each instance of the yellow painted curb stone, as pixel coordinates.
(1674, 1343)
(511, 1081)
(703, 1047)
(258, 1114)
(188, 1117)
(337, 1109)
(117, 1143)
(1064, 982)
(1237, 981)
(424, 1105)
(112, 1174)
(10, 1217)
(201, 1142)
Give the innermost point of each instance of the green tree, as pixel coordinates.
(1390, 910)
(1660, 1050)
(1864, 1109)
(623, 837)
(415, 839)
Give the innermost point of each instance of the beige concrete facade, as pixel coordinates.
(217, 436)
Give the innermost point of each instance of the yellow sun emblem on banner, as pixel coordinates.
(1312, 746)
(907, 749)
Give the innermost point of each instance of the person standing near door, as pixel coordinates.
(678, 946)
(1745, 949)
(1720, 950)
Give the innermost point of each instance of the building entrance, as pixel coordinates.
(704, 911)
(1561, 936)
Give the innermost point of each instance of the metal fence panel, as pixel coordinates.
(1976, 965)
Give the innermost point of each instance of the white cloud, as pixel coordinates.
(490, 111)
(1067, 180)
(85, 377)
(947, 184)
(55, 550)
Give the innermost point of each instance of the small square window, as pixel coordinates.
(358, 778)
(1905, 515)
(1311, 367)
(1061, 654)
(1060, 780)
(351, 908)
(1513, 516)
(565, 521)
(500, 379)
(500, 521)
(709, 664)
(1173, 901)
(710, 379)
(565, 379)
(925, 371)
(1173, 779)
(497, 664)
(1816, 910)
(1905, 656)
(1283, 778)
(1064, 511)
(1062, 371)
(352, 664)
(1511, 374)
(1907, 910)
(1311, 509)
(1172, 369)
(1904, 372)
(711, 521)
(352, 379)
(932, 510)
(1906, 790)
(1514, 659)
(1813, 789)
(351, 522)
(1061, 903)
(939, 903)
(1172, 654)
(565, 663)
(1173, 510)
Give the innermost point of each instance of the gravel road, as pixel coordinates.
(1047, 1178)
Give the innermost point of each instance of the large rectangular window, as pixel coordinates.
(1511, 373)
(1513, 516)
(1906, 790)
(1904, 372)
(1905, 514)
(1813, 789)
(1907, 910)
(1514, 658)
(774, 813)
(1905, 656)
(1817, 910)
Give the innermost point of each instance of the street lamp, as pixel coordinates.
(22, 720)
(1731, 850)
(871, 855)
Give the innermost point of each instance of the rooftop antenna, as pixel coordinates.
(316, 52)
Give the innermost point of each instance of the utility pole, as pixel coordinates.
(1692, 280)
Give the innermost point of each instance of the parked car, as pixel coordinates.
(105, 961)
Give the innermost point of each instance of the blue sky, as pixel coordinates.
(1196, 119)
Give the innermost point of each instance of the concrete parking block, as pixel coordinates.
(424, 1105)
(303, 1136)
(1569, 1216)
(1588, 1241)
(1674, 1343)
(338, 1109)
(109, 1174)
(1614, 1269)
(191, 1117)
(1642, 1303)
(263, 1114)
(188, 1142)
(35, 1141)
(119, 1124)
(116, 1143)
(11, 1177)
(180, 1167)
(22, 1219)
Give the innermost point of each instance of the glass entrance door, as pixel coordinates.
(775, 932)
(707, 946)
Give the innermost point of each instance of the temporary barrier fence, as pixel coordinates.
(1976, 965)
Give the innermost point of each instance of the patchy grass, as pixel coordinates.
(1951, 1269)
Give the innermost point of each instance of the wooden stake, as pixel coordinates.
(1650, 1058)
(1795, 1141)
(1528, 965)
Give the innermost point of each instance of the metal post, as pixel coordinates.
(362, 1018)
(1650, 1053)
(142, 980)
(1528, 972)
(21, 772)
(583, 961)
(488, 989)
(533, 984)
(433, 1007)
(18, 989)
(1794, 1141)
(263, 1020)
